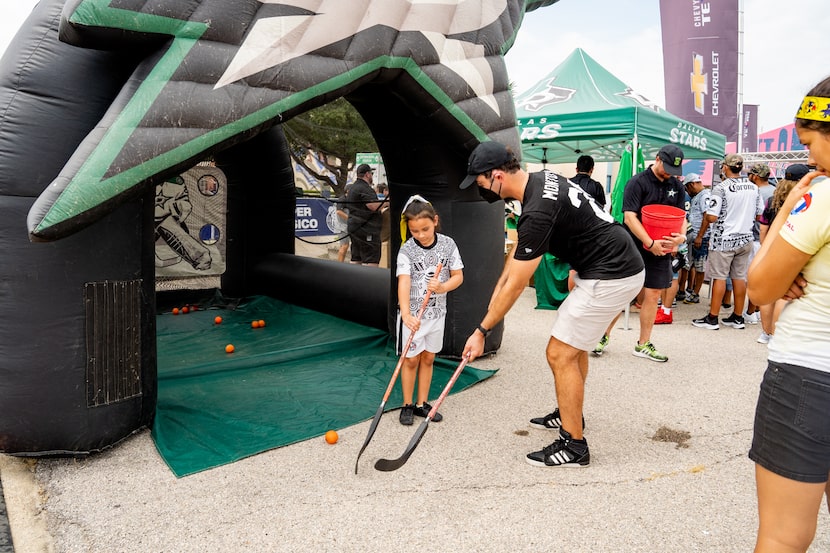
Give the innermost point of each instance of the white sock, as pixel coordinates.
(667, 310)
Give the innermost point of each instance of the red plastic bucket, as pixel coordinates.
(662, 220)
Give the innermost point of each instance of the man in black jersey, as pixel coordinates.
(561, 218)
(584, 169)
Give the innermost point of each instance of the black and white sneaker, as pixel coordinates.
(564, 452)
(424, 410)
(735, 321)
(551, 421)
(709, 322)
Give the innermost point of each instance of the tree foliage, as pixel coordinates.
(334, 133)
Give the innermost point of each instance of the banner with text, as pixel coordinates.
(317, 217)
(749, 139)
(700, 62)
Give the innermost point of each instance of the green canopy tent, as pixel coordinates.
(581, 108)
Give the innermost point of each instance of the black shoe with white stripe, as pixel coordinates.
(564, 452)
(551, 421)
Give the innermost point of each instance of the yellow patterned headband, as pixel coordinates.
(814, 108)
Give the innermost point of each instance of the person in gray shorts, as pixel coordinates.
(733, 207)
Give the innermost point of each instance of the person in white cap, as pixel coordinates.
(698, 237)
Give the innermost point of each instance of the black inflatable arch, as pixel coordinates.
(77, 313)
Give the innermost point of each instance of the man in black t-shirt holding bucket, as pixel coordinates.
(656, 185)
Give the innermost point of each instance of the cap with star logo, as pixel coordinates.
(672, 158)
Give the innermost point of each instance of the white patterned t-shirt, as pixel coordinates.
(420, 263)
(736, 203)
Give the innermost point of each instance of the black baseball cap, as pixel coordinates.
(796, 171)
(363, 168)
(672, 157)
(486, 156)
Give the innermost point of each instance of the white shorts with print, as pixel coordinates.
(429, 337)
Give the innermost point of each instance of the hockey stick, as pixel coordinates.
(379, 412)
(387, 465)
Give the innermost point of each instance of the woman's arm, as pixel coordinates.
(774, 271)
(772, 277)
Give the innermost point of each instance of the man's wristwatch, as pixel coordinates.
(483, 330)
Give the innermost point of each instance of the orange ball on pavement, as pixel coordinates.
(331, 437)
(229, 348)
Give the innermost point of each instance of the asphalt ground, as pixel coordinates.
(668, 472)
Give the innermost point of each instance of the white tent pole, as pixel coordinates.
(635, 146)
(740, 75)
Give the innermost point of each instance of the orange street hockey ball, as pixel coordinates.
(217, 320)
(254, 324)
(331, 437)
(229, 348)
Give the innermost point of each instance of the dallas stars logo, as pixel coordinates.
(286, 57)
(549, 95)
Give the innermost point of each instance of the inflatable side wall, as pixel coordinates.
(77, 315)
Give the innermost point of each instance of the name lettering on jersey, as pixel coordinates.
(551, 189)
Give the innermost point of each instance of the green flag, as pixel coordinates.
(623, 175)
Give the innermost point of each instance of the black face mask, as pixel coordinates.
(488, 195)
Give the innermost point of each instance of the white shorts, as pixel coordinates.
(430, 337)
(591, 306)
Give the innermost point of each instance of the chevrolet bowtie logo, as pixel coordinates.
(699, 82)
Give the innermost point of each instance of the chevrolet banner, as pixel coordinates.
(700, 62)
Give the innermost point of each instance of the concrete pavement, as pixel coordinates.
(668, 469)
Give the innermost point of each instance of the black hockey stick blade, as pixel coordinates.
(372, 428)
(388, 465)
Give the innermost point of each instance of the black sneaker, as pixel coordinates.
(681, 295)
(709, 322)
(406, 417)
(735, 321)
(564, 452)
(551, 421)
(691, 297)
(424, 410)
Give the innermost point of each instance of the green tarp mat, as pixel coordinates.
(302, 374)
